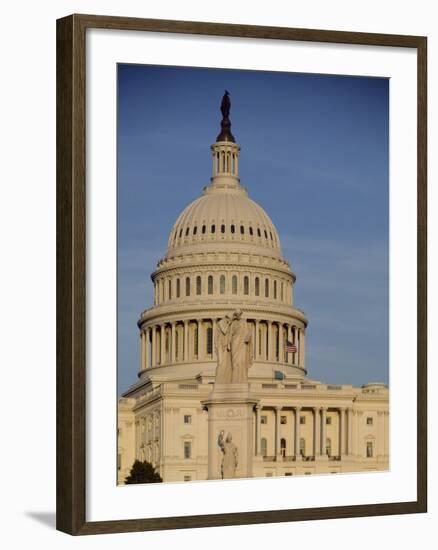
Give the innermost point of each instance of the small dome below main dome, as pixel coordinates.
(222, 216)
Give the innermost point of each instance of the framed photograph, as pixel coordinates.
(241, 274)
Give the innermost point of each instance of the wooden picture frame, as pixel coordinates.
(71, 273)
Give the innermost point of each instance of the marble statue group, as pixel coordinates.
(234, 349)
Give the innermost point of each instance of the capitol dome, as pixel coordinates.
(223, 254)
(224, 217)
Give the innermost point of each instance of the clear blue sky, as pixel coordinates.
(314, 156)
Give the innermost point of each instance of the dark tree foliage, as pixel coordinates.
(143, 472)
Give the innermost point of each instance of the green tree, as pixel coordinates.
(143, 472)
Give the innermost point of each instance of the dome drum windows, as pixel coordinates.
(198, 285)
(210, 284)
(234, 284)
(246, 285)
(222, 284)
(187, 286)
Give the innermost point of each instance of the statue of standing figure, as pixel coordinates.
(229, 455)
(234, 348)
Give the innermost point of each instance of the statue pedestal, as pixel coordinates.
(230, 409)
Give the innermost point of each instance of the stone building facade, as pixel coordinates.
(224, 254)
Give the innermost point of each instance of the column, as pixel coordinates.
(154, 346)
(354, 434)
(380, 434)
(256, 340)
(200, 341)
(214, 327)
(142, 349)
(270, 355)
(386, 442)
(186, 341)
(323, 430)
(297, 344)
(173, 342)
(342, 431)
(280, 344)
(163, 344)
(297, 433)
(316, 432)
(350, 431)
(148, 349)
(277, 431)
(303, 348)
(258, 450)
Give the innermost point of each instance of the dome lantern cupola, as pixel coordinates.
(225, 151)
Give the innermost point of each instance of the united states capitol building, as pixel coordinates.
(224, 254)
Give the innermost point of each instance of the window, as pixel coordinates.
(302, 419)
(209, 341)
(283, 419)
(187, 419)
(250, 231)
(178, 288)
(210, 284)
(328, 447)
(119, 461)
(213, 228)
(170, 289)
(187, 286)
(288, 474)
(281, 290)
(187, 449)
(246, 285)
(180, 233)
(259, 232)
(283, 446)
(233, 228)
(267, 288)
(187, 231)
(302, 446)
(263, 419)
(266, 234)
(198, 285)
(195, 230)
(328, 420)
(222, 228)
(204, 229)
(275, 290)
(234, 284)
(222, 284)
(369, 449)
(257, 286)
(264, 446)
(242, 230)
(187, 478)
(369, 421)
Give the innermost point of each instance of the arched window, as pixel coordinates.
(275, 290)
(180, 233)
(283, 446)
(209, 341)
(302, 446)
(267, 288)
(282, 290)
(169, 289)
(210, 284)
(250, 230)
(222, 284)
(213, 228)
(270, 233)
(187, 231)
(328, 447)
(246, 285)
(198, 285)
(233, 228)
(195, 230)
(264, 446)
(204, 229)
(257, 286)
(242, 230)
(223, 228)
(178, 288)
(259, 232)
(187, 286)
(234, 284)
(266, 234)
